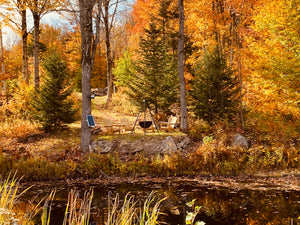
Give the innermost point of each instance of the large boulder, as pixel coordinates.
(147, 145)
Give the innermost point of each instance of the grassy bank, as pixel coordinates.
(206, 160)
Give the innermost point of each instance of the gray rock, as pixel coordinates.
(240, 141)
(169, 146)
(184, 143)
(93, 147)
(147, 145)
(102, 146)
(137, 146)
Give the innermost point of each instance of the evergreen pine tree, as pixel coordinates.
(215, 91)
(155, 79)
(52, 107)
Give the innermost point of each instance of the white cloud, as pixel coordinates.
(54, 19)
(9, 37)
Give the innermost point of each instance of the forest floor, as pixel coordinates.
(65, 143)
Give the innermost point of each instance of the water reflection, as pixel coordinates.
(218, 205)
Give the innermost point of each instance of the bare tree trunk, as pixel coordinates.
(2, 57)
(108, 53)
(2, 65)
(108, 16)
(1, 53)
(36, 21)
(86, 27)
(184, 119)
(24, 47)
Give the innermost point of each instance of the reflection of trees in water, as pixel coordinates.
(248, 207)
(219, 206)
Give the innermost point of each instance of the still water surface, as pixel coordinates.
(219, 205)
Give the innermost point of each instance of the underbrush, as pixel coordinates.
(208, 159)
(18, 128)
(273, 129)
(119, 104)
(15, 117)
(236, 161)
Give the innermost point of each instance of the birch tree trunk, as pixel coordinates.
(184, 119)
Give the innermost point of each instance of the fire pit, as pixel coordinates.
(145, 124)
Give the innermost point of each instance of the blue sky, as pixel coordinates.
(10, 37)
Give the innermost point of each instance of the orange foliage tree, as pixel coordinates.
(273, 84)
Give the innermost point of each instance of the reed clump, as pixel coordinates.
(78, 209)
(9, 199)
(130, 214)
(8, 192)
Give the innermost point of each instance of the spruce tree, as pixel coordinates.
(52, 105)
(215, 91)
(155, 80)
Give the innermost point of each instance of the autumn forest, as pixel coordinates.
(240, 67)
(218, 80)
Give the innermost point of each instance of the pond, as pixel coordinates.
(218, 204)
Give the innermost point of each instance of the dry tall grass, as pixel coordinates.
(123, 216)
(129, 214)
(18, 128)
(8, 200)
(78, 211)
(8, 192)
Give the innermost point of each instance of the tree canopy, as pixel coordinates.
(259, 42)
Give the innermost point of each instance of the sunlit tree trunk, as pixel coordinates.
(86, 27)
(38, 9)
(1, 53)
(184, 119)
(108, 13)
(2, 63)
(88, 48)
(108, 52)
(24, 47)
(36, 22)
